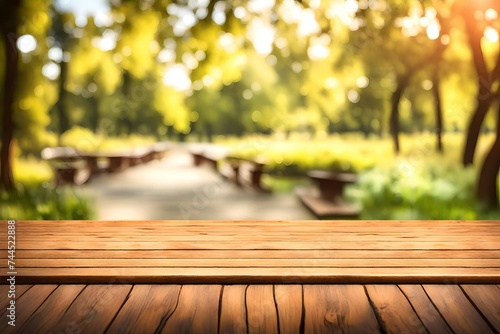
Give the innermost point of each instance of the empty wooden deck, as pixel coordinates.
(254, 277)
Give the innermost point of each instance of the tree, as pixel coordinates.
(9, 21)
(486, 78)
(487, 186)
(62, 41)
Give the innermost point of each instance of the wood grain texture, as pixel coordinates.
(197, 310)
(289, 304)
(393, 309)
(425, 310)
(258, 263)
(48, 315)
(261, 310)
(93, 310)
(233, 314)
(26, 305)
(5, 291)
(256, 252)
(145, 308)
(271, 309)
(237, 275)
(456, 309)
(338, 309)
(487, 299)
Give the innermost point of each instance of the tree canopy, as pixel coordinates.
(171, 68)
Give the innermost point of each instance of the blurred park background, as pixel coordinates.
(404, 94)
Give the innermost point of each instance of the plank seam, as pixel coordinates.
(478, 310)
(167, 316)
(437, 309)
(73, 301)
(246, 310)
(28, 318)
(276, 309)
(302, 327)
(119, 309)
(219, 311)
(381, 323)
(413, 308)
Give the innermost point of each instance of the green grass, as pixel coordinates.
(36, 197)
(43, 202)
(417, 184)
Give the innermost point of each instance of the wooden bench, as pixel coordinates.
(326, 201)
(208, 158)
(244, 171)
(67, 164)
(160, 150)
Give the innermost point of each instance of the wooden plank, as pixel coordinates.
(257, 275)
(92, 310)
(424, 308)
(258, 254)
(338, 309)
(197, 310)
(153, 223)
(290, 307)
(393, 310)
(487, 299)
(233, 312)
(25, 306)
(261, 309)
(5, 291)
(40, 308)
(48, 315)
(258, 263)
(145, 308)
(230, 245)
(235, 239)
(456, 309)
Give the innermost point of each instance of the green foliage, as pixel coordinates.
(430, 191)
(85, 140)
(42, 201)
(36, 197)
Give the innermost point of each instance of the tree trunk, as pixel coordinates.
(61, 103)
(485, 78)
(474, 128)
(209, 132)
(438, 108)
(487, 188)
(9, 32)
(394, 118)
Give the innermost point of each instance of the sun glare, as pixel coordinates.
(177, 77)
(491, 34)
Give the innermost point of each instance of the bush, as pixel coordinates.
(430, 191)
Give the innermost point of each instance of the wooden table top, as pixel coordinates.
(255, 252)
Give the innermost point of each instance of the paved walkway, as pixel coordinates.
(175, 189)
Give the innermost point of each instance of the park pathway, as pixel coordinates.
(174, 188)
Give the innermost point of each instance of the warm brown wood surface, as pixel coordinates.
(371, 276)
(235, 309)
(255, 252)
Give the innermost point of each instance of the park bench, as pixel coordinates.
(208, 155)
(68, 165)
(160, 150)
(326, 200)
(243, 171)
